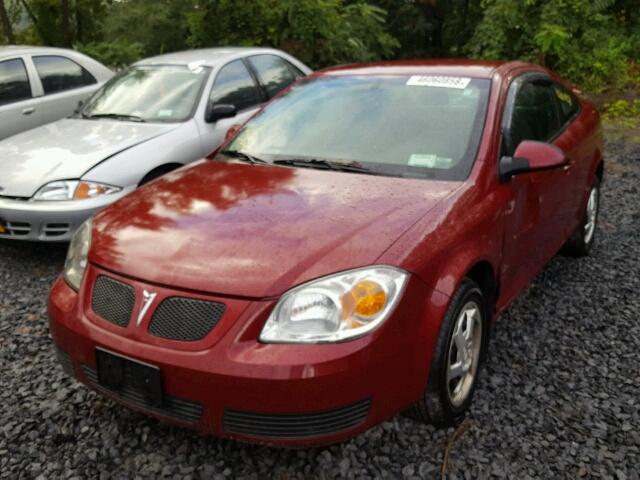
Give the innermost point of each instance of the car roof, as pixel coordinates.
(11, 50)
(205, 56)
(449, 67)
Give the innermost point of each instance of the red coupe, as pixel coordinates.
(340, 259)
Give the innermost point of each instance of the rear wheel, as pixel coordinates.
(457, 358)
(582, 240)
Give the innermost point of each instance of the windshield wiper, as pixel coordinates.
(243, 156)
(117, 116)
(326, 165)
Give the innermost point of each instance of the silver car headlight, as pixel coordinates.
(76, 262)
(73, 190)
(337, 307)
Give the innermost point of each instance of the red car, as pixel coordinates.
(342, 258)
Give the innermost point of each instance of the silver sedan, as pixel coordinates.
(158, 115)
(39, 85)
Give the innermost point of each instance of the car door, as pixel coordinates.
(64, 83)
(579, 153)
(235, 85)
(18, 108)
(540, 203)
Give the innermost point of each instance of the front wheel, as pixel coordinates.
(457, 358)
(582, 240)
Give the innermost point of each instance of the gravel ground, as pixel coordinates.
(559, 396)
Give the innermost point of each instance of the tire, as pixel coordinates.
(440, 405)
(157, 172)
(583, 238)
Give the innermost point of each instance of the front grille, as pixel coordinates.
(65, 361)
(184, 410)
(113, 300)
(56, 229)
(185, 319)
(19, 199)
(296, 425)
(14, 229)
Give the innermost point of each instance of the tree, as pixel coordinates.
(589, 41)
(5, 22)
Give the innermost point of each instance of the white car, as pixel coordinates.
(39, 85)
(159, 114)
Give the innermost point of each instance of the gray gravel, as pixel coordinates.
(559, 396)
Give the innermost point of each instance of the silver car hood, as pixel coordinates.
(66, 149)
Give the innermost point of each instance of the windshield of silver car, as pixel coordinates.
(149, 93)
(400, 125)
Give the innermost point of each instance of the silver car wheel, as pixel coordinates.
(464, 353)
(592, 215)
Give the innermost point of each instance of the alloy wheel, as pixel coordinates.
(464, 353)
(592, 215)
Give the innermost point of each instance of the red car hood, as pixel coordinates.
(256, 231)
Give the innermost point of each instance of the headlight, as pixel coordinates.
(73, 190)
(76, 262)
(337, 307)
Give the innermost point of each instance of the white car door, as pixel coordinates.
(64, 83)
(234, 84)
(18, 107)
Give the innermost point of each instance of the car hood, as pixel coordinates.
(238, 229)
(66, 149)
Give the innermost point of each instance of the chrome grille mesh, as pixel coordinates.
(185, 319)
(113, 300)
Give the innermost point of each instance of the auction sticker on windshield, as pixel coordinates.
(437, 81)
(429, 161)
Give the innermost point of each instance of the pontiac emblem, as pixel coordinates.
(147, 301)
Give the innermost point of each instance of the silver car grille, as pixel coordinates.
(15, 229)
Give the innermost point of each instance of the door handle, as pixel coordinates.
(28, 110)
(568, 166)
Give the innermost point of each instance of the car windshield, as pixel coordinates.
(166, 93)
(413, 126)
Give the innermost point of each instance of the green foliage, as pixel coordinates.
(622, 108)
(159, 26)
(319, 32)
(117, 54)
(591, 42)
(595, 43)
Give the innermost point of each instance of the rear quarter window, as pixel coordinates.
(567, 104)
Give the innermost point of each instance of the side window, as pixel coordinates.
(235, 85)
(14, 82)
(275, 73)
(534, 115)
(59, 74)
(567, 103)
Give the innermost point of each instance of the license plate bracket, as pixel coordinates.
(118, 373)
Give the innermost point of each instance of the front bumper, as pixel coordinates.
(49, 221)
(230, 385)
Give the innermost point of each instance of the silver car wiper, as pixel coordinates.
(327, 165)
(117, 116)
(243, 156)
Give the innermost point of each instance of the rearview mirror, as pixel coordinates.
(531, 156)
(220, 111)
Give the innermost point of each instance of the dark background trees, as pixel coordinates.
(594, 42)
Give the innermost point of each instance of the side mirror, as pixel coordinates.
(531, 156)
(220, 111)
(79, 107)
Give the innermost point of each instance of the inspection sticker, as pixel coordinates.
(437, 81)
(429, 161)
